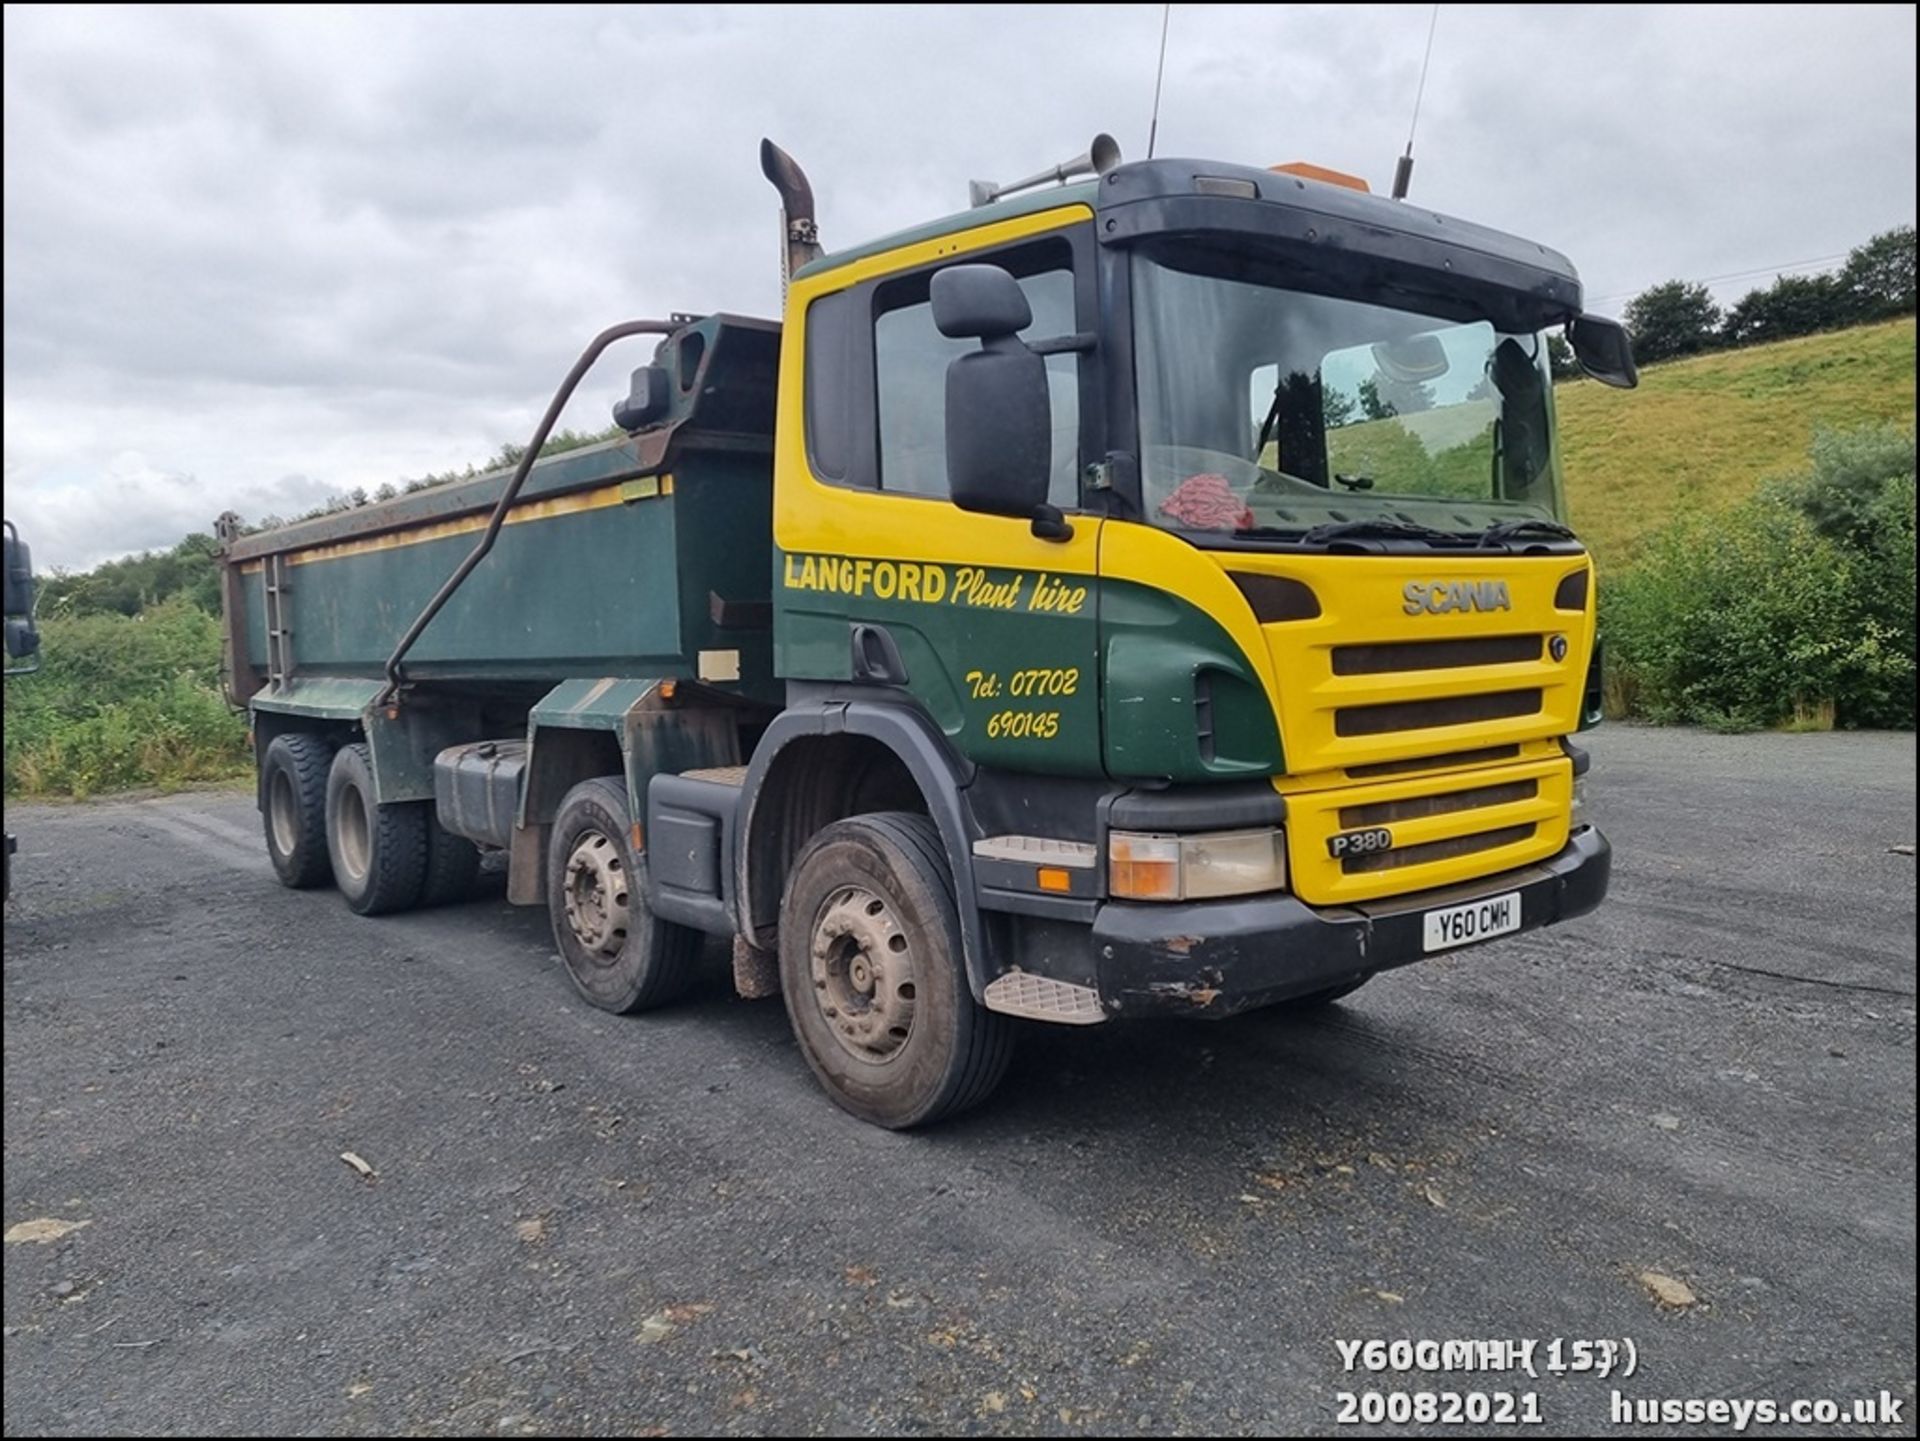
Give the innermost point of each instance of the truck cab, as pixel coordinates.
(1297, 645)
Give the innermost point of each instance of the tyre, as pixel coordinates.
(379, 852)
(452, 863)
(1314, 1000)
(620, 956)
(293, 808)
(875, 978)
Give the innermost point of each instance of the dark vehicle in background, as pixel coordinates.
(23, 640)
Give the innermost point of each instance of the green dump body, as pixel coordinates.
(647, 556)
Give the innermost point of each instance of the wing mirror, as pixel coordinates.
(999, 415)
(1604, 350)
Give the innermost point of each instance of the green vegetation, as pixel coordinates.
(1703, 433)
(1679, 318)
(123, 701)
(1794, 607)
(129, 585)
(1671, 320)
(1399, 463)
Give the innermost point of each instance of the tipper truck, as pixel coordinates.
(1145, 592)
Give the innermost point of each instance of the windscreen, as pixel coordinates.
(1270, 408)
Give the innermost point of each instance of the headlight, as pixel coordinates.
(1578, 815)
(1144, 867)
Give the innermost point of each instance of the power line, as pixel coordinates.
(1159, 73)
(1754, 273)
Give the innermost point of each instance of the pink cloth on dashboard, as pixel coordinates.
(1207, 502)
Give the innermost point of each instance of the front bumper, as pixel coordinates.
(1217, 958)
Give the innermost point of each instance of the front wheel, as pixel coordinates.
(620, 955)
(875, 979)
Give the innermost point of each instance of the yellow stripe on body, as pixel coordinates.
(602, 498)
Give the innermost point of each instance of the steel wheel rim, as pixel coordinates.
(280, 812)
(865, 982)
(356, 844)
(597, 896)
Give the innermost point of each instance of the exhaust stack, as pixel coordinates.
(800, 236)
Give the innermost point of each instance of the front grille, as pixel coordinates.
(1381, 813)
(1436, 850)
(1413, 715)
(1391, 657)
(1479, 757)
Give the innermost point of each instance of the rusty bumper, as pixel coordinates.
(1216, 958)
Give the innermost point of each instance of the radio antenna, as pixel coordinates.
(1159, 72)
(1403, 172)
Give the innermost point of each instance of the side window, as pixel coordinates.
(910, 363)
(831, 368)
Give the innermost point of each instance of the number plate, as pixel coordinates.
(1360, 843)
(1475, 921)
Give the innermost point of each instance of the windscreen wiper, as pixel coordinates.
(1524, 525)
(1379, 529)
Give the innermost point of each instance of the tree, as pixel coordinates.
(1877, 280)
(1671, 320)
(1406, 397)
(1561, 358)
(1372, 405)
(131, 584)
(1792, 305)
(1336, 407)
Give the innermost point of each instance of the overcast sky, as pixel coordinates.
(255, 257)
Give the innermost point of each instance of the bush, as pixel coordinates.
(122, 701)
(1671, 320)
(1797, 604)
(1878, 277)
(1792, 305)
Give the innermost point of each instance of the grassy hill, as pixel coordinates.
(1702, 432)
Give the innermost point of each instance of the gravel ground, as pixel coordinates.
(657, 1224)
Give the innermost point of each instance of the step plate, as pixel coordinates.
(1039, 998)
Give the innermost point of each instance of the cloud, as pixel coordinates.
(254, 257)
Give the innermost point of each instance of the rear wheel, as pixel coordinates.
(379, 852)
(293, 810)
(620, 956)
(452, 863)
(874, 976)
